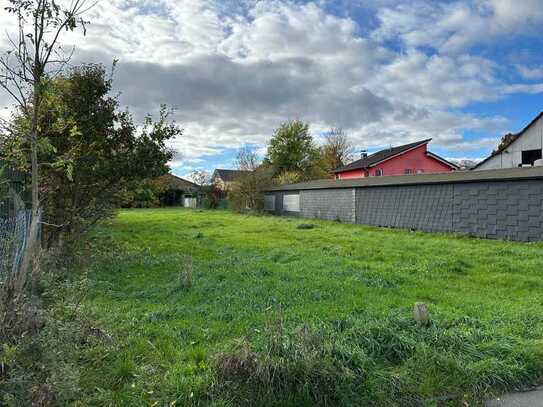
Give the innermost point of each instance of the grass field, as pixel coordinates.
(215, 308)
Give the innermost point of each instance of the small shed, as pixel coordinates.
(180, 192)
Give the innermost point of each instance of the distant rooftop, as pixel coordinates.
(386, 154)
(380, 156)
(228, 175)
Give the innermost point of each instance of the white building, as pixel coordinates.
(524, 149)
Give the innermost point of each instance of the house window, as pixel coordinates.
(529, 156)
(407, 171)
(378, 172)
(420, 171)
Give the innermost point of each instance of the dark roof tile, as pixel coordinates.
(228, 175)
(380, 156)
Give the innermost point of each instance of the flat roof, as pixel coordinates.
(419, 179)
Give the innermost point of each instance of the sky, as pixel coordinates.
(388, 72)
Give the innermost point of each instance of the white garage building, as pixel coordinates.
(524, 149)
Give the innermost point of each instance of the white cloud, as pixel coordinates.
(530, 73)
(436, 81)
(455, 26)
(524, 88)
(234, 73)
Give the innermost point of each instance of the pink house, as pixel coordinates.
(408, 159)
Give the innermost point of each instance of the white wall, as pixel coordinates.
(511, 157)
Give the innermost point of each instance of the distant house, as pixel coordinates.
(522, 149)
(180, 192)
(408, 159)
(224, 179)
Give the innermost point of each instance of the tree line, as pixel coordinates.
(293, 155)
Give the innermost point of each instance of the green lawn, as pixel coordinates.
(279, 315)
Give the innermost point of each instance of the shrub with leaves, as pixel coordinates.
(94, 151)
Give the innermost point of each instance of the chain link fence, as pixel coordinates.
(14, 232)
(15, 221)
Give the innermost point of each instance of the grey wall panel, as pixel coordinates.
(269, 202)
(509, 210)
(422, 207)
(330, 204)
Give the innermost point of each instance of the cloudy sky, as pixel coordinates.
(386, 71)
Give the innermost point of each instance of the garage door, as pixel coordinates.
(291, 203)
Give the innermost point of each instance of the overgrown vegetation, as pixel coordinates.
(292, 156)
(81, 154)
(275, 315)
(93, 152)
(42, 338)
(247, 193)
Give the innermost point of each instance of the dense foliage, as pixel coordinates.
(247, 194)
(93, 151)
(292, 156)
(293, 149)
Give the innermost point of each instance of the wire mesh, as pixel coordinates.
(14, 233)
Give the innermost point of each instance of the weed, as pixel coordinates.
(186, 273)
(239, 364)
(123, 370)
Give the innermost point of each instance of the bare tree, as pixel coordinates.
(247, 193)
(337, 150)
(34, 57)
(200, 177)
(246, 159)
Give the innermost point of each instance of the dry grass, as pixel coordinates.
(186, 274)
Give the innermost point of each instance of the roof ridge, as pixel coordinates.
(387, 154)
(515, 137)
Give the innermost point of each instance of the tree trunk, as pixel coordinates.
(33, 244)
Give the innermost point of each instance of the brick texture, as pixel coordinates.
(509, 210)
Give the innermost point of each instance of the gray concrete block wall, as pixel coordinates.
(421, 207)
(511, 210)
(329, 204)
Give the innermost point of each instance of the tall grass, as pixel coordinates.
(276, 315)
